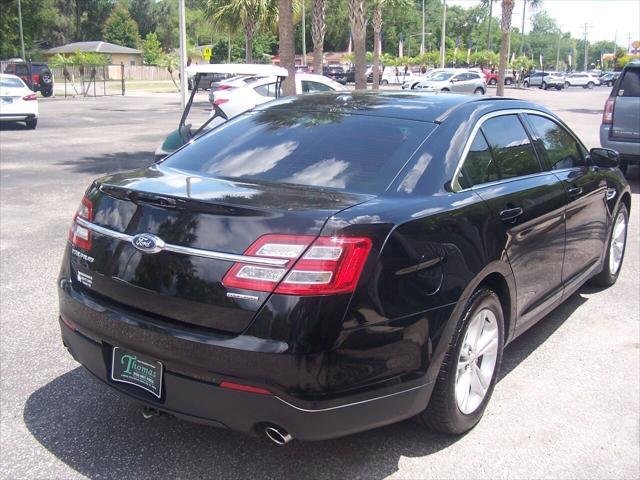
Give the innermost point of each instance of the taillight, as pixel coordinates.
(224, 87)
(328, 265)
(607, 115)
(220, 101)
(31, 96)
(81, 236)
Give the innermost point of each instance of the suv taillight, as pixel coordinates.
(607, 115)
(81, 236)
(31, 96)
(328, 265)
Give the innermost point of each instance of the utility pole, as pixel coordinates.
(304, 37)
(524, 9)
(24, 57)
(183, 55)
(558, 51)
(443, 47)
(586, 46)
(422, 43)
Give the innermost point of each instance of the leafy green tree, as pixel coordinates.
(151, 49)
(144, 14)
(230, 15)
(171, 62)
(120, 28)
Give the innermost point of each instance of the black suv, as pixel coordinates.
(37, 76)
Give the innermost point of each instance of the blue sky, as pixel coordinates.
(605, 16)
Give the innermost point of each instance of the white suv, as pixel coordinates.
(581, 79)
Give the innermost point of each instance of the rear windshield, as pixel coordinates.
(355, 153)
(11, 83)
(39, 69)
(630, 83)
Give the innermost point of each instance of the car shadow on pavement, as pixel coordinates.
(9, 126)
(110, 162)
(100, 433)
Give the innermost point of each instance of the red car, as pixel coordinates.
(492, 77)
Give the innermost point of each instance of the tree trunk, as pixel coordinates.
(287, 45)
(249, 29)
(317, 32)
(489, 30)
(505, 24)
(78, 17)
(357, 16)
(524, 10)
(377, 40)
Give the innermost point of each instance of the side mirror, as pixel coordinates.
(604, 157)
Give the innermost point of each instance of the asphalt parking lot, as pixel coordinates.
(567, 404)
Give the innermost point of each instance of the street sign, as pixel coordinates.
(206, 53)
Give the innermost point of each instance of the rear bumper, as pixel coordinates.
(17, 117)
(195, 395)
(628, 149)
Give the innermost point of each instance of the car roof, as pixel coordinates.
(238, 69)
(422, 106)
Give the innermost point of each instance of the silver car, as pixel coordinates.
(459, 81)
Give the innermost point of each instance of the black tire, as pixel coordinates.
(384, 82)
(508, 81)
(558, 88)
(445, 90)
(478, 91)
(544, 85)
(624, 165)
(567, 84)
(442, 413)
(590, 85)
(493, 81)
(606, 277)
(525, 84)
(31, 124)
(47, 92)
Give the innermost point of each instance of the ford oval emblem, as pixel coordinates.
(147, 243)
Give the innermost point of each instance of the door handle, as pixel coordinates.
(574, 191)
(511, 213)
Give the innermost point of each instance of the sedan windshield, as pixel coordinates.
(439, 77)
(355, 153)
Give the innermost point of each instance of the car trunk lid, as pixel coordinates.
(201, 216)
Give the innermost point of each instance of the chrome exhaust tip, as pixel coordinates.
(149, 412)
(277, 435)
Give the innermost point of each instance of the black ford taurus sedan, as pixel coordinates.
(331, 263)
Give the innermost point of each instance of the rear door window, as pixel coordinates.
(479, 166)
(268, 90)
(630, 83)
(511, 147)
(310, 87)
(355, 153)
(561, 148)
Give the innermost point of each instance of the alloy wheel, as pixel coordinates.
(618, 239)
(477, 361)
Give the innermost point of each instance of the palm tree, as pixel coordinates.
(286, 45)
(534, 4)
(377, 35)
(318, 27)
(505, 26)
(358, 19)
(232, 14)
